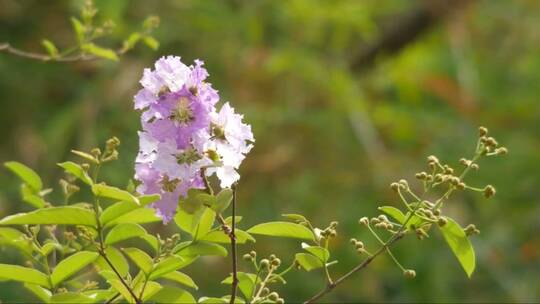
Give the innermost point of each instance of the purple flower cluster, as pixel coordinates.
(183, 134)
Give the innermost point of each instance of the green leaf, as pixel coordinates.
(218, 236)
(199, 248)
(394, 212)
(116, 258)
(50, 47)
(151, 240)
(138, 216)
(169, 294)
(150, 289)
(100, 51)
(237, 219)
(205, 223)
(223, 200)
(132, 40)
(100, 295)
(320, 252)
(23, 274)
(103, 190)
(308, 261)
(295, 217)
(44, 295)
(71, 297)
(194, 201)
(212, 300)
(71, 265)
(123, 232)
(120, 208)
(460, 244)
(29, 196)
(246, 283)
(140, 258)
(77, 171)
(151, 42)
(283, 229)
(188, 222)
(79, 29)
(118, 286)
(26, 174)
(181, 278)
(86, 156)
(14, 237)
(50, 247)
(53, 216)
(169, 264)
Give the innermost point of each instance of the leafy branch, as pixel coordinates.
(86, 34)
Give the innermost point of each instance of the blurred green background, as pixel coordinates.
(331, 133)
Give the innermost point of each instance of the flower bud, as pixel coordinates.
(334, 224)
(461, 186)
(501, 151)
(280, 301)
(489, 191)
(442, 221)
(394, 187)
(359, 245)
(265, 263)
(409, 273)
(474, 166)
(364, 221)
(353, 241)
(482, 131)
(272, 257)
(253, 254)
(247, 257)
(433, 159)
(265, 292)
(276, 262)
(273, 296)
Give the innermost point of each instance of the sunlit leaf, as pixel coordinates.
(200, 248)
(23, 274)
(71, 297)
(28, 195)
(25, 174)
(283, 229)
(50, 48)
(120, 208)
(320, 252)
(150, 289)
(169, 294)
(460, 244)
(218, 236)
(123, 232)
(151, 42)
(394, 212)
(43, 294)
(295, 217)
(103, 190)
(205, 223)
(169, 264)
(15, 238)
(308, 261)
(212, 300)
(77, 171)
(140, 258)
(71, 265)
(99, 51)
(246, 283)
(79, 29)
(188, 222)
(223, 200)
(138, 216)
(181, 278)
(67, 215)
(116, 258)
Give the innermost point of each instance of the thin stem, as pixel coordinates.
(6, 47)
(233, 248)
(263, 284)
(102, 253)
(326, 271)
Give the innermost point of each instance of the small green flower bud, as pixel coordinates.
(265, 292)
(364, 221)
(474, 166)
(280, 301)
(439, 178)
(334, 224)
(442, 221)
(433, 159)
(375, 221)
(448, 169)
(489, 191)
(461, 186)
(382, 218)
(264, 263)
(333, 233)
(359, 245)
(353, 241)
(482, 131)
(253, 254)
(404, 183)
(247, 257)
(437, 212)
(409, 273)
(360, 250)
(501, 151)
(96, 152)
(272, 257)
(273, 296)
(85, 167)
(394, 187)
(491, 142)
(276, 262)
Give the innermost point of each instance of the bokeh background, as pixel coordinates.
(344, 97)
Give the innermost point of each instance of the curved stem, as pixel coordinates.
(233, 249)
